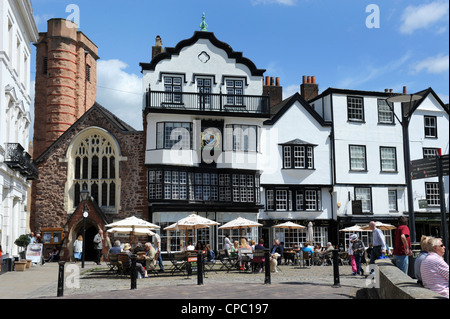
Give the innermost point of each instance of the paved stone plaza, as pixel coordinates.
(292, 282)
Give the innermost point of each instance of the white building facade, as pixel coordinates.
(368, 156)
(18, 30)
(296, 178)
(203, 116)
(428, 137)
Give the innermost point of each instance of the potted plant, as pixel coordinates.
(23, 241)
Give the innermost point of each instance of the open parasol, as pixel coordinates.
(289, 225)
(381, 226)
(353, 229)
(240, 223)
(193, 222)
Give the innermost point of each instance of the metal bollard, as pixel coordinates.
(133, 271)
(61, 279)
(267, 267)
(199, 268)
(337, 283)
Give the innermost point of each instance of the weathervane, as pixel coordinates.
(203, 25)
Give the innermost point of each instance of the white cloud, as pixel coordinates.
(283, 2)
(368, 72)
(434, 65)
(120, 92)
(423, 16)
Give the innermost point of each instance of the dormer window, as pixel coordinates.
(298, 154)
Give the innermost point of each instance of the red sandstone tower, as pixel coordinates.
(66, 80)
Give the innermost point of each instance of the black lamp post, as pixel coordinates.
(84, 195)
(404, 122)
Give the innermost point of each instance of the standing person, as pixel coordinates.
(98, 246)
(402, 245)
(350, 253)
(358, 251)
(379, 243)
(227, 245)
(157, 244)
(78, 248)
(434, 269)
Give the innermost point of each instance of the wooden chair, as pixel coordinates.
(113, 263)
(306, 258)
(258, 259)
(124, 267)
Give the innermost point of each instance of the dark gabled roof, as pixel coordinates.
(279, 109)
(297, 141)
(168, 52)
(352, 92)
(406, 107)
(114, 120)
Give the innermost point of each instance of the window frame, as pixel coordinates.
(433, 199)
(290, 159)
(388, 111)
(383, 169)
(370, 200)
(162, 144)
(352, 110)
(428, 127)
(352, 169)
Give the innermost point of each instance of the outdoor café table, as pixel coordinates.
(245, 256)
(289, 255)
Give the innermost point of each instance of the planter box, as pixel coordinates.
(20, 265)
(28, 263)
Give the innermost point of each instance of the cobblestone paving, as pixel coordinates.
(291, 282)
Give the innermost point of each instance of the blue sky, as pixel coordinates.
(350, 44)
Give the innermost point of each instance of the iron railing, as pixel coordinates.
(208, 102)
(17, 159)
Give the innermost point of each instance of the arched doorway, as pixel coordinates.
(91, 231)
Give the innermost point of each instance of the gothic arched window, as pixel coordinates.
(93, 161)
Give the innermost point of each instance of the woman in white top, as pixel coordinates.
(78, 248)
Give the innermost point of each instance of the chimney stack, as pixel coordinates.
(404, 90)
(157, 48)
(309, 89)
(273, 89)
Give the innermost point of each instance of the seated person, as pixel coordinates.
(434, 269)
(277, 248)
(210, 256)
(308, 249)
(150, 254)
(116, 248)
(190, 246)
(139, 267)
(54, 255)
(138, 248)
(258, 262)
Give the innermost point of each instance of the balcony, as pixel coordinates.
(19, 160)
(190, 103)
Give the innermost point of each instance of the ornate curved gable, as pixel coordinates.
(167, 54)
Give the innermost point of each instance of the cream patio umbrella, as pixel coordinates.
(193, 222)
(128, 230)
(289, 225)
(240, 223)
(133, 225)
(381, 226)
(353, 229)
